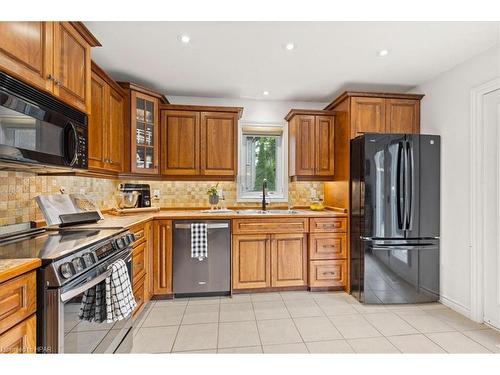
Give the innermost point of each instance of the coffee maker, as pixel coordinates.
(143, 190)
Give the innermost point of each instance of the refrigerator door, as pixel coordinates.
(427, 185)
(400, 271)
(385, 160)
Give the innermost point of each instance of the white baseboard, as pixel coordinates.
(454, 305)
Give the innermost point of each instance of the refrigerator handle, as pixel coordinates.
(411, 185)
(399, 172)
(406, 185)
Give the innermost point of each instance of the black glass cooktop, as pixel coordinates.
(53, 244)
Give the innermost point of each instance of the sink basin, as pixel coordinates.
(267, 212)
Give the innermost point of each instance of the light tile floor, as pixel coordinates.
(305, 322)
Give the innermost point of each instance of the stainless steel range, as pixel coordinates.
(73, 261)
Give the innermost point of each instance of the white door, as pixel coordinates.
(492, 208)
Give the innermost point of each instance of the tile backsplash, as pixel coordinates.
(18, 190)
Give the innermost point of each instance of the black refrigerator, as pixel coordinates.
(394, 218)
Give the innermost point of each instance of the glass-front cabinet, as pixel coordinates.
(145, 134)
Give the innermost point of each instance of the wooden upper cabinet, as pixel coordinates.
(180, 143)
(26, 51)
(218, 143)
(52, 56)
(305, 140)
(324, 145)
(199, 142)
(106, 123)
(311, 144)
(145, 124)
(368, 115)
(97, 121)
(115, 130)
(402, 116)
(71, 66)
(377, 112)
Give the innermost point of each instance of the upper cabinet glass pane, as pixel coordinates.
(149, 112)
(140, 109)
(149, 134)
(139, 133)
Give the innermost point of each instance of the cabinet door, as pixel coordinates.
(368, 115)
(324, 146)
(97, 123)
(115, 131)
(218, 144)
(149, 233)
(402, 116)
(145, 134)
(180, 140)
(26, 51)
(251, 262)
(71, 66)
(288, 260)
(20, 338)
(305, 145)
(162, 282)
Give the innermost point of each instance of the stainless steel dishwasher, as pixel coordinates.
(209, 276)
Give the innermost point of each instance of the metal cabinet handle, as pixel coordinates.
(329, 246)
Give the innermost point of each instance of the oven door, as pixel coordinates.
(70, 334)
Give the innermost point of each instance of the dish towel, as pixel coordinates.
(93, 308)
(120, 301)
(199, 241)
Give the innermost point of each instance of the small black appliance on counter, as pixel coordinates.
(143, 190)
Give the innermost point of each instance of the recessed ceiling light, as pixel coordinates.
(290, 46)
(265, 93)
(185, 39)
(383, 53)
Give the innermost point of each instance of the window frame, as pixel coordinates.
(281, 170)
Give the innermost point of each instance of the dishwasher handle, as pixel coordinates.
(209, 226)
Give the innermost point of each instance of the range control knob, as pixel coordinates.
(132, 237)
(89, 259)
(79, 264)
(120, 244)
(66, 270)
(126, 240)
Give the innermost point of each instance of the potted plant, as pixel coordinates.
(213, 196)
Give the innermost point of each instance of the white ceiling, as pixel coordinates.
(243, 59)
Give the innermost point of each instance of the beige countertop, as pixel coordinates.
(130, 220)
(10, 268)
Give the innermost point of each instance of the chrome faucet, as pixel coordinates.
(264, 193)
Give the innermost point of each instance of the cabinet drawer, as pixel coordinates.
(17, 300)
(139, 291)
(139, 261)
(330, 224)
(266, 226)
(324, 273)
(139, 233)
(20, 338)
(327, 246)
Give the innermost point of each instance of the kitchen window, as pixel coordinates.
(262, 156)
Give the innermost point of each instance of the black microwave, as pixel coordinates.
(36, 129)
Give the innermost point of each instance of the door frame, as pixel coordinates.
(477, 201)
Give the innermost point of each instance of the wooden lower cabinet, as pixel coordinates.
(17, 300)
(288, 260)
(269, 260)
(21, 338)
(328, 273)
(18, 314)
(327, 246)
(140, 296)
(251, 261)
(162, 257)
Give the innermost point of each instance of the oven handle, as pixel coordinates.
(66, 296)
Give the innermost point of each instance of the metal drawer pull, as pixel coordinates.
(209, 226)
(329, 246)
(329, 273)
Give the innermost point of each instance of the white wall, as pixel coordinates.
(446, 111)
(259, 111)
